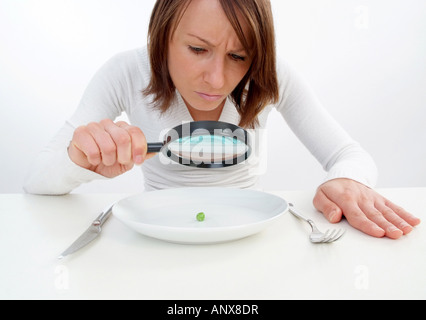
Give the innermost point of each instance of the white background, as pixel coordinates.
(366, 60)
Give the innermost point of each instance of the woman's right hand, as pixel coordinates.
(107, 148)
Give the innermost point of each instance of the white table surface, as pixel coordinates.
(278, 263)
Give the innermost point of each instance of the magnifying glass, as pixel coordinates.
(205, 144)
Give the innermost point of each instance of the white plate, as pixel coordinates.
(170, 214)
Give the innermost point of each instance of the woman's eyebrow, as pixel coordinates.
(211, 44)
(202, 40)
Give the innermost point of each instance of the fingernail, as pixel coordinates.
(138, 159)
(378, 229)
(332, 215)
(394, 229)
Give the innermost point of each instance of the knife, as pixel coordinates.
(90, 234)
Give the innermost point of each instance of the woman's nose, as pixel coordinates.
(215, 73)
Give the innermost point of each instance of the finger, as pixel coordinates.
(106, 145)
(84, 148)
(408, 217)
(394, 218)
(330, 210)
(139, 144)
(378, 217)
(122, 140)
(358, 219)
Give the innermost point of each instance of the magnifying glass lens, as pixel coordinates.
(205, 144)
(208, 148)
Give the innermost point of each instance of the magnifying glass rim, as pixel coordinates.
(211, 127)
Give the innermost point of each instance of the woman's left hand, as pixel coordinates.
(364, 209)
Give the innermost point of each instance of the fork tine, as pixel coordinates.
(329, 234)
(325, 236)
(336, 235)
(339, 234)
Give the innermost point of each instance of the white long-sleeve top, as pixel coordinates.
(117, 88)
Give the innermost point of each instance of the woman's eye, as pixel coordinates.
(196, 50)
(237, 57)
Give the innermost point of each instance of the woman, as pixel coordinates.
(209, 60)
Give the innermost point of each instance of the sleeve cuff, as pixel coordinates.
(362, 174)
(76, 174)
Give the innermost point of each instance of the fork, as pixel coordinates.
(317, 236)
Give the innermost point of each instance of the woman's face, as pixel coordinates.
(206, 60)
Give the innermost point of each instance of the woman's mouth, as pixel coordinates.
(209, 97)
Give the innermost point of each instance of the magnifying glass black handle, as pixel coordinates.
(155, 147)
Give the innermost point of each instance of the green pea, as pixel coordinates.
(201, 216)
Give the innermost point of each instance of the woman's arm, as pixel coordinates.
(335, 150)
(52, 172)
(351, 172)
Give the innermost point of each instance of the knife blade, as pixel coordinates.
(90, 234)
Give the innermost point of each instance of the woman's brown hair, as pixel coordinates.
(257, 89)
